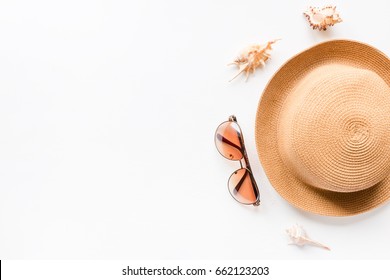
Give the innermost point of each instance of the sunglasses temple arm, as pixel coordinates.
(244, 154)
(246, 161)
(248, 166)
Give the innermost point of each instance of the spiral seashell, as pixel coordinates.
(252, 57)
(299, 237)
(322, 18)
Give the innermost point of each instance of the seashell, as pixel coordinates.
(252, 57)
(322, 18)
(299, 237)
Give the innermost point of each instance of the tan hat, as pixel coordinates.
(323, 129)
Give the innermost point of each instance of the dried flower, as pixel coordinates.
(252, 57)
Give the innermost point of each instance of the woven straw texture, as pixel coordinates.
(323, 129)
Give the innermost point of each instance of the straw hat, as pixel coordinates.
(323, 129)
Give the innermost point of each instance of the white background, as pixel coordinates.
(107, 117)
(113, 269)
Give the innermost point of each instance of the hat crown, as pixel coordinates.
(334, 128)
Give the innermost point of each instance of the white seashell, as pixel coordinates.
(322, 18)
(299, 237)
(252, 57)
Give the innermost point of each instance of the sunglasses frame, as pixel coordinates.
(244, 159)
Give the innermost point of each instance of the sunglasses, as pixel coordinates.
(230, 144)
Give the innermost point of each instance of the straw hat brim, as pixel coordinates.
(296, 192)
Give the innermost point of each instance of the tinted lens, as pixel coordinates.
(227, 140)
(242, 187)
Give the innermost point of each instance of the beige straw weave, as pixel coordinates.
(323, 129)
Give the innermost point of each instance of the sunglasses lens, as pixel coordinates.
(228, 139)
(242, 187)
